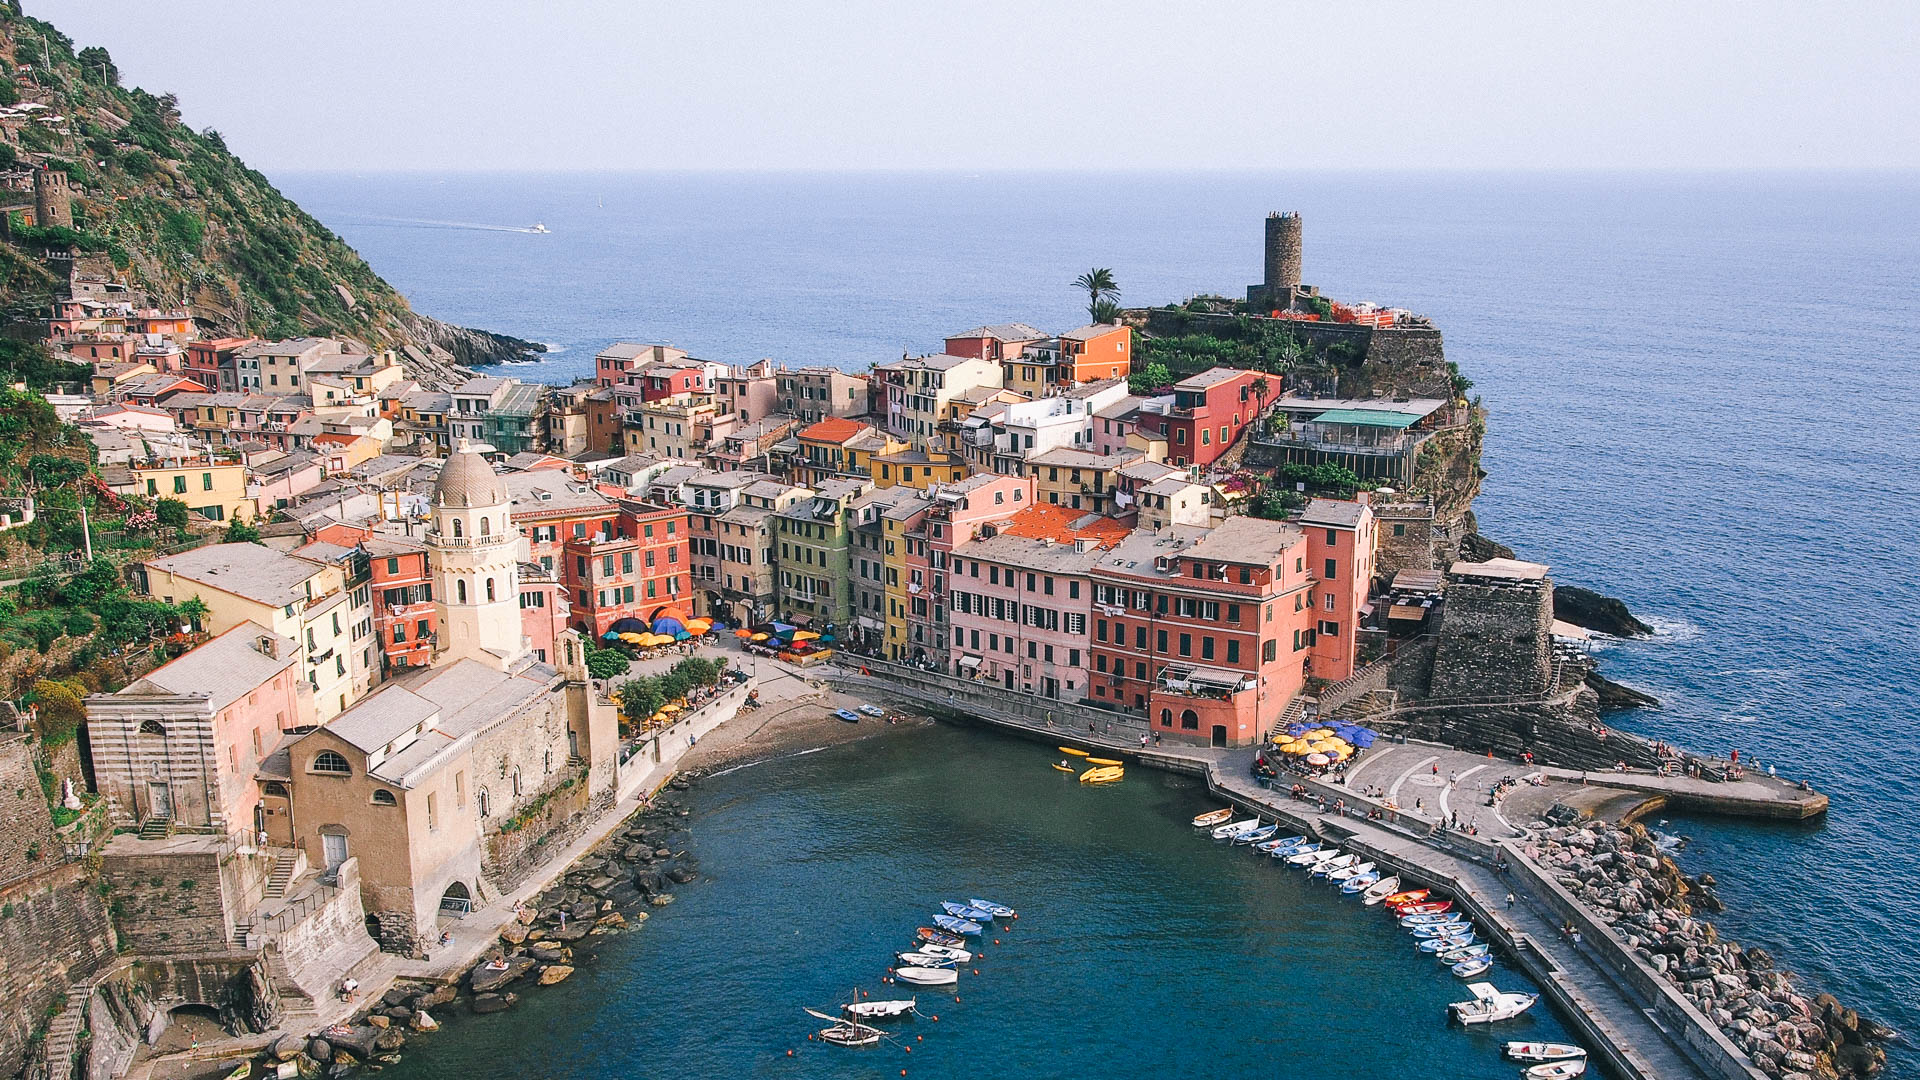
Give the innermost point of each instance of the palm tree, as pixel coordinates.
(1100, 287)
(1260, 390)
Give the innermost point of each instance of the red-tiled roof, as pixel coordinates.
(336, 438)
(1062, 524)
(834, 429)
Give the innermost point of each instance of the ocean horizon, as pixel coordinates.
(1701, 385)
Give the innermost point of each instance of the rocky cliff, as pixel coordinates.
(171, 211)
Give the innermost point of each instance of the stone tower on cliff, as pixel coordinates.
(1283, 252)
(52, 198)
(1281, 291)
(473, 548)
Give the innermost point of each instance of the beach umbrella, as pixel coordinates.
(1342, 753)
(1318, 759)
(743, 633)
(682, 635)
(672, 707)
(611, 635)
(1363, 738)
(805, 635)
(632, 639)
(761, 637)
(784, 628)
(1321, 733)
(658, 718)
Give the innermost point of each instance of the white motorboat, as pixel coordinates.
(879, 1010)
(1490, 1004)
(1327, 866)
(539, 227)
(922, 959)
(1380, 890)
(1309, 858)
(1235, 828)
(1557, 1070)
(945, 951)
(1543, 1051)
(1346, 872)
(924, 976)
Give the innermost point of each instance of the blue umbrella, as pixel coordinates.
(666, 624)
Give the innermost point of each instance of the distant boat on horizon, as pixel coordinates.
(539, 227)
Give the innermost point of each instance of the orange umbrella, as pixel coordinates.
(743, 633)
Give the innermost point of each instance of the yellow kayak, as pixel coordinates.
(1103, 761)
(1063, 768)
(1102, 775)
(1071, 750)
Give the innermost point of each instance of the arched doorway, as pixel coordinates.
(456, 901)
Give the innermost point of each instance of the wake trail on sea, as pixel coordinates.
(429, 223)
(763, 761)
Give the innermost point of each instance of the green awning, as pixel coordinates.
(1367, 418)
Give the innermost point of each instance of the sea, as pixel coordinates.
(1704, 392)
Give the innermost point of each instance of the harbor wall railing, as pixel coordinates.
(1067, 719)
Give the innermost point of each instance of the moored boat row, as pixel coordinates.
(932, 960)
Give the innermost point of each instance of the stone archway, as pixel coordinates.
(457, 901)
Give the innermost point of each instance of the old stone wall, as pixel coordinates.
(169, 903)
(320, 947)
(1495, 640)
(234, 984)
(26, 823)
(1404, 538)
(558, 819)
(54, 931)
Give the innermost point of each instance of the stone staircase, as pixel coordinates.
(1295, 711)
(63, 1034)
(296, 1000)
(156, 829)
(285, 866)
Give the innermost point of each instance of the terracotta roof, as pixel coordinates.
(1062, 524)
(834, 429)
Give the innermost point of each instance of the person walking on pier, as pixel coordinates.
(1509, 901)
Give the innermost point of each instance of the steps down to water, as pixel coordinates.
(282, 875)
(63, 1034)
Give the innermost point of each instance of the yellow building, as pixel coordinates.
(216, 491)
(904, 552)
(304, 599)
(675, 427)
(916, 469)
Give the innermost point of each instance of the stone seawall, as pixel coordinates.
(54, 931)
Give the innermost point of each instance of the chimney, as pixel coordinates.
(268, 647)
(1364, 498)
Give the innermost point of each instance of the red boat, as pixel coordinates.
(1399, 898)
(941, 937)
(1431, 907)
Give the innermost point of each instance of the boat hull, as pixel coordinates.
(920, 976)
(1543, 1051)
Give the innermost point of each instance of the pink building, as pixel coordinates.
(543, 611)
(184, 742)
(1340, 555)
(1206, 416)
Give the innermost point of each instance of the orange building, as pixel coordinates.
(1340, 556)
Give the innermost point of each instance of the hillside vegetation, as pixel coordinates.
(177, 214)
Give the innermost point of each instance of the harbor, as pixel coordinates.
(1636, 1022)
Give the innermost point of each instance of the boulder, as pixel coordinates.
(320, 1050)
(356, 1041)
(681, 875)
(611, 919)
(573, 931)
(390, 1040)
(550, 954)
(436, 997)
(514, 932)
(555, 973)
(380, 1020)
(396, 996)
(423, 1022)
(486, 979)
(287, 1047)
(482, 1004)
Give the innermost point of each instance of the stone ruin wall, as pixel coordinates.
(1495, 640)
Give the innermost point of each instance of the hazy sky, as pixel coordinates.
(573, 84)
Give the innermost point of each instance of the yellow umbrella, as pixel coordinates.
(658, 718)
(760, 637)
(632, 638)
(804, 635)
(1320, 733)
(1341, 752)
(672, 707)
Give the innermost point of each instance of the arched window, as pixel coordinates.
(516, 782)
(489, 590)
(483, 801)
(460, 591)
(1190, 720)
(383, 797)
(458, 529)
(326, 761)
(152, 727)
(274, 788)
(486, 525)
(1166, 717)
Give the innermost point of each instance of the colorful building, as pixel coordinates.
(1207, 414)
(1341, 539)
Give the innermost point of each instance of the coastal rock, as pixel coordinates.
(435, 998)
(514, 932)
(379, 1020)
(356, 1041)
(571, 932)
(320, 1050)
(486, 979)
(287, 1047)
(682, 875)
(390, 1040)
(550, 954)
(612, 919)
(1595, 611)
(554, 974)
(660, 899)
(423, 1022)
(482, 1004)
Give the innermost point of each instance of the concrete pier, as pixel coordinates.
(1629, 1016)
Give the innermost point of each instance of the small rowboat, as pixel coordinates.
(1468, 968)
(924, 959)
(1256, 835)
(939, 937)
(1543, 1051)
(947, 952)
(920, 976)
(1268, 847)
(1298, 847)
(1358, 883)
(1380, 890)
(1411, 921)
(1212, 818)
(1313, 856)
(1327, 866)
(1490, 1004)
(1235, 828)
(880, 1010)
(848, 715)
(1000, 911)
(1443, 944)
(1412, 897)
(1425, 907)
(1441, 930)
(1346, 873)
(957, 926)
(1558, 1070)
(871, 710)
(1465, 952)
(1070, 751)
(966, 911)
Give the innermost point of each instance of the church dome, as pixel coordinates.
(466, 480)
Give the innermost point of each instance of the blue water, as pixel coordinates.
(1142, 947)
(1703, 395)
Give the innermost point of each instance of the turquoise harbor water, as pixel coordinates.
(1143, 948)
(1703, 395)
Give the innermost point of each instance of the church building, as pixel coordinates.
(449, 781)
